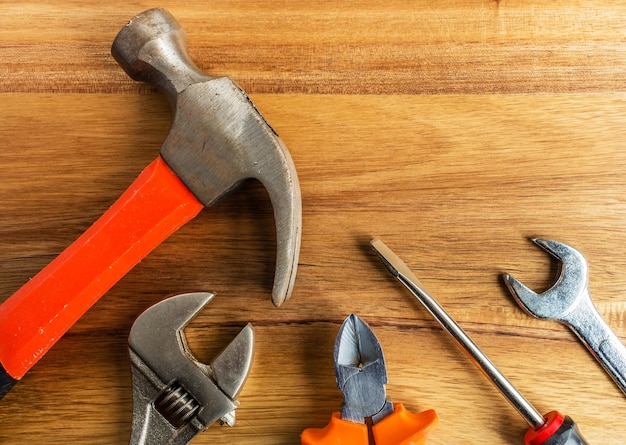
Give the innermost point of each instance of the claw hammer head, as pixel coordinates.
(174, 395)
(218, 138)
(570, 286)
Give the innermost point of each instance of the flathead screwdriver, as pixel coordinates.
(552, 429)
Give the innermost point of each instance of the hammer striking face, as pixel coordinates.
(216, 141)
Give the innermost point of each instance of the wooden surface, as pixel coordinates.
(452, 130)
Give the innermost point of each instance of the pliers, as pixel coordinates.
(174, 395)
(361, 376)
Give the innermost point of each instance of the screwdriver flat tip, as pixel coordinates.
(394, 264)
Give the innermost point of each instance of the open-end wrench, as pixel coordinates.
(217, 140)
(569, 302)
(174, 395)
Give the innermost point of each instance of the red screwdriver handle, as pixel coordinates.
(558, 430)
(34, 318)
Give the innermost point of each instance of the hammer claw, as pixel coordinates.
(288, 218)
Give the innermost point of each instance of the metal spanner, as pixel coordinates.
(569, 302)
(174, 395)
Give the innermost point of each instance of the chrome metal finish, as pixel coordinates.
(569, 302)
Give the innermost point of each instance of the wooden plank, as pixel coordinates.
(474, 47)
(408, 143)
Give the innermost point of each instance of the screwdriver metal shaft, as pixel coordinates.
(552, 429)
(401, 271)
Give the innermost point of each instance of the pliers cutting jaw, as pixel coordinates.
(361, 373)
(174, 395)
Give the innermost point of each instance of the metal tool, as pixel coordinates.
(174, 395)
(361, 376)
(216, 141)
(552, 429)
(569, 302)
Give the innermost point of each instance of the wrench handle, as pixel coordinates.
(600, 340)
(34, 318)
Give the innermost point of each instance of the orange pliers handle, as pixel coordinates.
(399, 428)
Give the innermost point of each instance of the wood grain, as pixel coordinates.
(330, 47)
(411, 122)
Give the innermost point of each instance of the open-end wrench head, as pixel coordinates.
(571, 284)
(218, 138)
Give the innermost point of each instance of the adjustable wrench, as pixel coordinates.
(174, 395)
(569, 302)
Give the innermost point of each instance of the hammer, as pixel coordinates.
(217, 140)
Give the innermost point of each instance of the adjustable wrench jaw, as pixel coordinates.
(174, 395)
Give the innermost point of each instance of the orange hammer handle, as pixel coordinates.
(34, 318)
